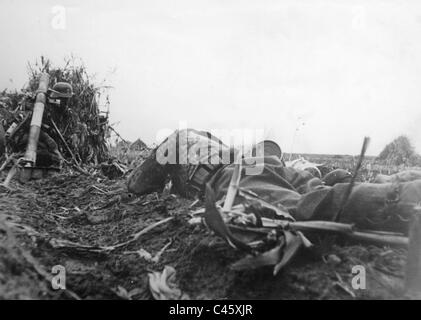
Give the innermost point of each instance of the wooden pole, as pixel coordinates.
(348, 190)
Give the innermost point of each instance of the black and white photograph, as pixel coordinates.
(210, 153)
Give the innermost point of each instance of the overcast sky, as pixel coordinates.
(335, 70)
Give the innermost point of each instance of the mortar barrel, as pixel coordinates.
(36, 121)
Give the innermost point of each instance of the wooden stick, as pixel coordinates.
(234, 185)
(7, 161)
(99, 189)
(354, 176)
(391, 240)
(64, 142)
(321, 226)
(76, 163)
(118, 135)
(340, 228)
(140, 233)
(10, 176)
(64, 244)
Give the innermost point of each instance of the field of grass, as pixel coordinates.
(369, 169)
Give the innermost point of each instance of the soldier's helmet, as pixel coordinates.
(267, 148)
(61, 90)
(314, 171)
(337, 176)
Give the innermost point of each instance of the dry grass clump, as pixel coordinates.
(84, 126)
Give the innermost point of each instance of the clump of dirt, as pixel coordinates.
(17, 279)
(88, 210)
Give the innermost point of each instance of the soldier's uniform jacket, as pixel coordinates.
(387, 206)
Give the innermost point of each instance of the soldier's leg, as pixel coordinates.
(386, 207)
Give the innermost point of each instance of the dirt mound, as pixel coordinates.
(53, 220)
(17, 279)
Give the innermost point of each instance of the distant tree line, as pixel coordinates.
(400, 152)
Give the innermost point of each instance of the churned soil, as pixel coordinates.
(37, 217)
